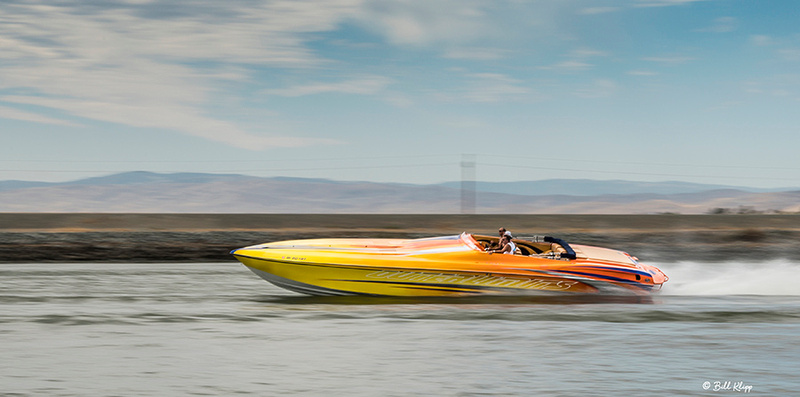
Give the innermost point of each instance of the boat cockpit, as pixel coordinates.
(540, 246)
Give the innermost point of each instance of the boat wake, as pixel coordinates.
(769, 278)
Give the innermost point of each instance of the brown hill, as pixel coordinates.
(237, 194)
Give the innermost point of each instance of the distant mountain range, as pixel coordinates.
(590, 187)
(216, 193)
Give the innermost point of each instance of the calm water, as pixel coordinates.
(217, 329)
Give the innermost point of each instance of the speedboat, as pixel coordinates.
(459, 265)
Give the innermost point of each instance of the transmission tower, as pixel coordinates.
(468, 183)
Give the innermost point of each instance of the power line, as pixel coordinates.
(636, 173)
(273, 160)
(362, 158)
(574, 160)
(259, 169)
(409, 164)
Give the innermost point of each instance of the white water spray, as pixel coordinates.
(777, 277)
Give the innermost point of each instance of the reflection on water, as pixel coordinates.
(215, 329)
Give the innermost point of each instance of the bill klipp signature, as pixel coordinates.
(727, 385)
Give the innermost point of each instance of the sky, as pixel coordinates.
(403, 91)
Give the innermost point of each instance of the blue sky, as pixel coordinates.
(397, 91)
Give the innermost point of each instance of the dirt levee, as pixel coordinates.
(70, 237)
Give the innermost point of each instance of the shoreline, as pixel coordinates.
(147, 238)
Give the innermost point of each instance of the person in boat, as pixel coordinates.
(500, 232)
(506, 246)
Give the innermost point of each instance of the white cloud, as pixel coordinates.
(363, 86)
(169, 116)
(761, 40)
(488, 88)
(669, 60)
(154, 64)
(597, 10)
(16, 114)
(423, 23)
(600, 88)
(570, 66)
(790, 54)
(399, 100)
(587, 53)
(663, 3)
(785, 48)
(493, 87)
(642, 73)
(779, 85)
(577, 62)
(722, 25)
(475, 53)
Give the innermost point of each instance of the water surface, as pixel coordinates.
(217, 329)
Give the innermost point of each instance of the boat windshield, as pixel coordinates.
(470, 241)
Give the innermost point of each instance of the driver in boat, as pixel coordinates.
(508, 247)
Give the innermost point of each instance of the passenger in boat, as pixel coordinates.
(500, 232)
(507, 246)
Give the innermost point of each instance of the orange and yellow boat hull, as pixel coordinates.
(443, 266)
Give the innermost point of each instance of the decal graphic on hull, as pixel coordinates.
(482, 280)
